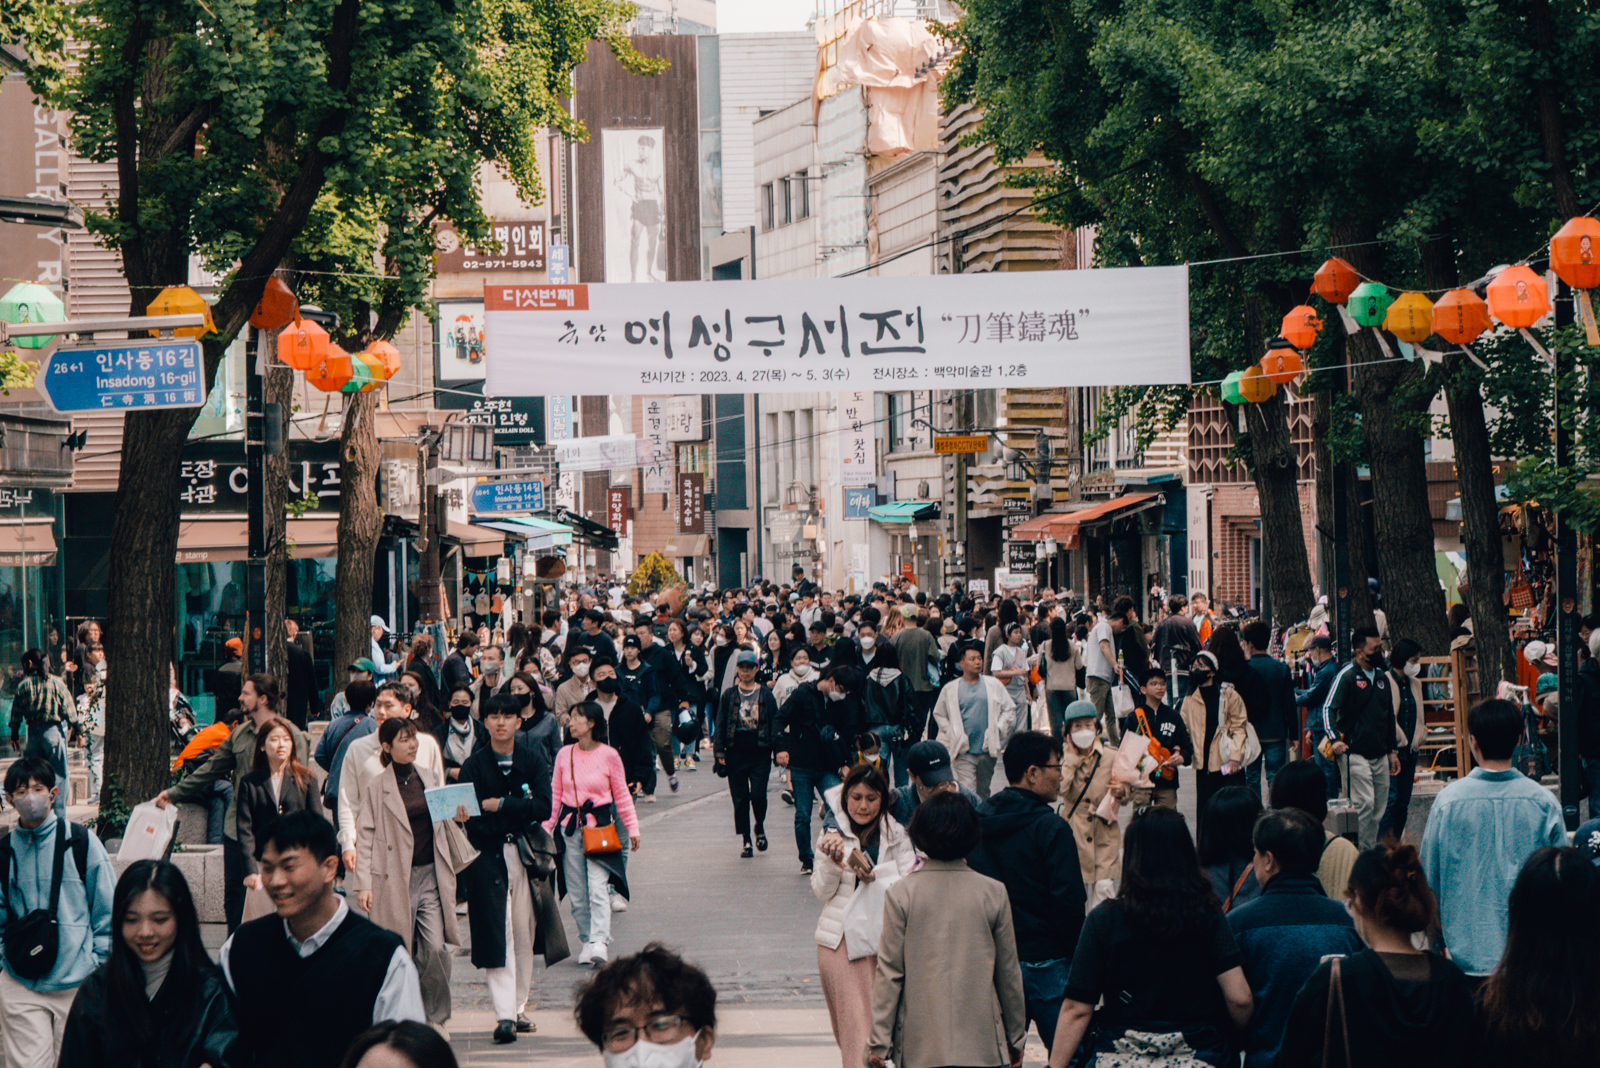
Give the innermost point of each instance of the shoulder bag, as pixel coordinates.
(1335, 993)
(597, 841)
(33, 941)
(1085, 791)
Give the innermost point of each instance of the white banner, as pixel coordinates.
(602, 453)
(657, 463)
(566, 490)
(684, 422)
(1126, 326)
(635, 205)
(858, 441)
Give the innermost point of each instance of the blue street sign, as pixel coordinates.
(490, 498)
(558, 265)
(125, 375)
(858, 501)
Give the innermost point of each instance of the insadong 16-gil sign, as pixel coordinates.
(1127, 326)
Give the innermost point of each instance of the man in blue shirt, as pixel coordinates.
(1324, 668)
(1479, 833)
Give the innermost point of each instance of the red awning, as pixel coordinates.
(1064, 527)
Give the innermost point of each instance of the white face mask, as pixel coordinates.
(801, 671)
(581, 670)
(1083, 739)
(722, 639)
(1413, 669)
(836, 695)
(868, 641)
(644, 1054)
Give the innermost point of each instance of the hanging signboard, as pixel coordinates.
(952, 444)
(858, 439)
(684, 421)
(619, 509)
(1124, 326)
(691, 503)
(657, 453)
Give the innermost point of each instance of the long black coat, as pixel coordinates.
(524, 801)
(301, 691)
(628, 732)
(190, 1023)
(257, 810)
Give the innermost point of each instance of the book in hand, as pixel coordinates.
(444, 800)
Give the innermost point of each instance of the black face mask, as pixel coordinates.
(460, 713)
(608, 686)
(525, 699)
(1200, 678)
(1379, 661)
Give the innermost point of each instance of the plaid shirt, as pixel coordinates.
(41, 700)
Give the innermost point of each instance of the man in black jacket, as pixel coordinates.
(1030, 849)
(301, 686)
(1268, 702)
(1358, 718)
(815, 733)
(457, 669)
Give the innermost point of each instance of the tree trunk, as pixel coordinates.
(1355, 534)
(1283, 544)
(277, 388)
(360, 523)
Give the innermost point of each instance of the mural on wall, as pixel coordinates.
(635, 195)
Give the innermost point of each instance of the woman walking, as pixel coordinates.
(948, 989)
(590, 790)
(1085, 780)
(1227, 852)
(277, 785)
(870, 846)
(1213, 711)
(1058, 670)
(406, 863)
(1161, 956)
(691, 662)
(746, 721)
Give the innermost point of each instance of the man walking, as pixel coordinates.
(1030, 849)
(919, 659)
(457, 667)
(1174, 644)
(1100, 669)
(491, 681)
(813, 732)
(45, 704)
(47, 865)
(1479, 832)
(973, 714)
(1290, 929)
(1358, 718)
(1268, 702)
(1324, 667)
(304, 699)
(233, 760)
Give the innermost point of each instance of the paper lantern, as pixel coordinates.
(1410, 318)
(331, 373)
(1255, 386)
(1460, 316)
(1369, 303)
(1518, 298)
(1230, 388)
(360, 377)
(1575, 253)
(388, 358)
(1282, 363)
(277, 307)
(1335, 281)
(181, 300)
(25, 304)
(303, 345)
(1301, 326)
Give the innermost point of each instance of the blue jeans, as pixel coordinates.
(1044, 988)
(1273, 756)
(1330, 773)
(893, 754)
(1394, 817)
(51, 744)
(221, 794)
(805, 781)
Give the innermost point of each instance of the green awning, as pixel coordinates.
(540, 533)
(904, 511)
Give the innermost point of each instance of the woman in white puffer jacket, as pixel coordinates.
(859, 806)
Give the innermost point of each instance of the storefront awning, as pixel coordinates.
(681, 546)
(904, 511)
(537, 533)
(477, 541)
(1065, 527)
(27, 543)
(586, 531)
(207, 541)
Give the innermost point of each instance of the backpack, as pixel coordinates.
(32, 941)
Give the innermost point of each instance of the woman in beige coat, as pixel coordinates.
(949, 988)
(1085, 779)
(1211, 712)
(406, 864)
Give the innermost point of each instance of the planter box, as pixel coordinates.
(202, 866)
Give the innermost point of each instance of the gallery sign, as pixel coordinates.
(1124, 326)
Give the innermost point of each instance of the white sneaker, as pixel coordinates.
(586, 954)
(598, 957)
(618, 902)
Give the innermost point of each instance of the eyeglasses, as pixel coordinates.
(1049, 767)
(619, 1038)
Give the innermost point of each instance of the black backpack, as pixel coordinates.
(33, 942)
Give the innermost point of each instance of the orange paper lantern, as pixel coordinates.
(303, 345)
(181, 300)
(1281, 363)
(388, 358)
(277, 307)
(374, 368)
(1410, 318)
(1335, 281)
(1460, 316)
(1301, 326)
(332, 372)
(1575, 253)
(1518, 298)
(1255, 386)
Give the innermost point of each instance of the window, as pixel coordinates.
(769, 214)
(802, 196)
(900, 413)
(786, 205)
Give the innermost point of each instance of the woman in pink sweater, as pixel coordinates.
(589, 789)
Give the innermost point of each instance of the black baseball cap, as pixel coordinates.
(930, 763)
(631, 642)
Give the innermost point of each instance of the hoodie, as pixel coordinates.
(1030, 849)
(83, 914)
(1421, 1016)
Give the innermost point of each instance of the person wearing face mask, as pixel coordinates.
(60, 869)
(1085, 780)
(492, 677)
(577, 688)
(158, 1000)
(362, 764)
(539, 727)
(800, 671)
(1406, 673)
(461, 734)
(627, 728)
(813, 729)
(1213, 712)
(887, 709)
(1358, 720)
(746, 733)
(650, 1010)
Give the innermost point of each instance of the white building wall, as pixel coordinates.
(905, 199)
(785, 148)
(761, 73)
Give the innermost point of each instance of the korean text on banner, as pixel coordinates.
(858, 440)
(1124, 326)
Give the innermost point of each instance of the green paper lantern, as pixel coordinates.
(27, 303)
(1230, 388)
(1370, 303)
(360, 376)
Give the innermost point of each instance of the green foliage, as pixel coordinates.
(112, 819)
(654, 573)
(15, 372)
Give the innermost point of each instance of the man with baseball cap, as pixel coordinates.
(230, 675)
(1324, 667)
(382, 666)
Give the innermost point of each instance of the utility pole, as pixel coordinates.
(1569, 763)
(428, 509)
(255, 473)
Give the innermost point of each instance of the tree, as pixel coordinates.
(233, 122)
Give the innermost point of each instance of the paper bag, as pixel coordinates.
(150, 828)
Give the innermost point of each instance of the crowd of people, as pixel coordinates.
(950, 765)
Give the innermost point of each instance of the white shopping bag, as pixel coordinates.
(1039, 716)
(1121, 699)
(150, 828)
(863, 917)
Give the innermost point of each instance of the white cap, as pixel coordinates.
(377, 621)
(1535, 651)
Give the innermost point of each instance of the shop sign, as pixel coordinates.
(214, 478)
